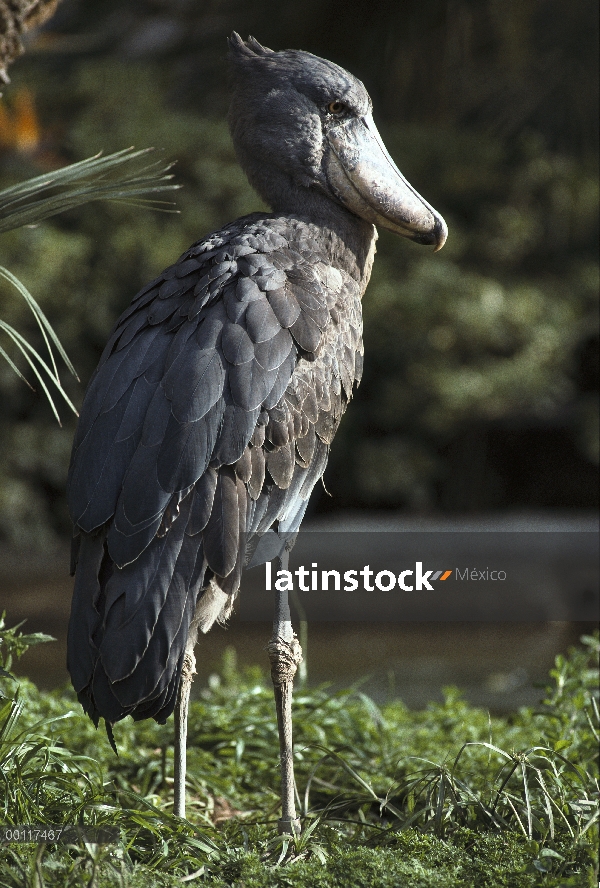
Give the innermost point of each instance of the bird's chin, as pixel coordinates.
(365, 179)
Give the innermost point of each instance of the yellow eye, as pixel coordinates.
(336, 107)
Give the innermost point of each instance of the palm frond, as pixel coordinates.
(123, 175)
(29, 353)
(126, 176)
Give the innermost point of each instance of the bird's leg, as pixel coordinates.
(181, 717)
(211, 606)
(285, 654)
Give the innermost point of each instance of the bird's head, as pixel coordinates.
(301, 124)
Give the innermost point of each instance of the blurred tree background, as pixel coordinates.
(480, 387)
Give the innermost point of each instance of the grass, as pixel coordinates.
(447, 796)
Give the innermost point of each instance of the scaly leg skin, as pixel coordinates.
(181, 716)
(285, 654)
(188, 671)
(213, 604)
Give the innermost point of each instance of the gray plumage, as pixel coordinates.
(168, 428)
(211, 413)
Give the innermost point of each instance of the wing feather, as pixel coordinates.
(221, 535)
(280, 465)
(187, 449)
(204, 375)
(237, 428)
(204, 495)
(257, 477)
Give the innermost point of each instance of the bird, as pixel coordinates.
(209, 418)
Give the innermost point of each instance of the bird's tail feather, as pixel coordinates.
(129, 627)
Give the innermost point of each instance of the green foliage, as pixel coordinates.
(445, 796)
(14, 643)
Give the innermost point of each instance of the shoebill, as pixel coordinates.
(210, 416)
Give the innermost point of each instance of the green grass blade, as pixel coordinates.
(527, 799)
(590, 822)
(349, 769)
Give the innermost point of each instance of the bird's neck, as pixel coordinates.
(348, 239)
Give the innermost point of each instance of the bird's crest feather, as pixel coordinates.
(250, 48)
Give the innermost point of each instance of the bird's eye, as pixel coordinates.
(336, 108)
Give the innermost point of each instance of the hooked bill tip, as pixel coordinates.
(440, 233)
